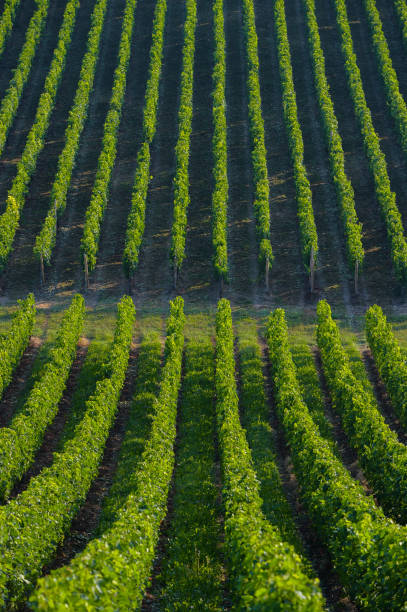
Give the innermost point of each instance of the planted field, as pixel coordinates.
(203, 284)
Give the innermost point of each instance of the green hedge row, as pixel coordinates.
(137, 215)
(368, 550)
(382, 457)
(20, 441)
(265, 571)
(34, 523)
(401, 9)
(107, 157)
(113, 570)
(9, 220)
(185, 111)
(389, 359)
(45, 240)
(343, 186)
(261, 187)
(308, 230)
(220, 192)
(7, 21)
(377, 160)
(14, 343)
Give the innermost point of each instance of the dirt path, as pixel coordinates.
(9, 400)
(109, 278)
(242, 244)
(285, 237)
(87, 518)
(332, 277)
(197, 279)
(23, 270)
(66, 274)
(377, 280)
(153, 279)
(45, 454)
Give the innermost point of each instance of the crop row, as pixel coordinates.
(389, 360)
(182, 148)
(34, 523)
(11, 100)
(343, 186)
(395, 100)
(125, 552)
(45, 240)
(368, 550)
(256, 124)
(377, 161)
(308, 231)
(14, 343)
(20, 441)
(7, 21)
(10, 219)
(107, 157)
(219, 146)
(382, 457)
(137, 215)
(265, 571)
(401, 9)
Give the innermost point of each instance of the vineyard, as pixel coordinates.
(203, 285)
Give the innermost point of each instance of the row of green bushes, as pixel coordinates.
(7, 21)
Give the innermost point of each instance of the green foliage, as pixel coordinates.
(368, 550)
(136, 218)
(45, 240)
(7, 21)
(401, 9)
(219, 146)
(395, 100)
(343, 186)
(14, 343)
(20, 441)
(34, 523)
(308, 231)
(181, 177)
(389, 360)
(377, 160)
(382, 457)
(100, 192)
(9, 220)
(192, 573)
(265, 571)
(113, 570)
(256, 124)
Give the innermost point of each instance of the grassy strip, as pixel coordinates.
(219, 145)
(265, 571)
(377, 160)
(45, 240)
(261, 202)
(382, 457)
(368, 550)
(389, 359)
(185, 111)
(9, 220)
(113, 570)
(20, 441)
(343, 186)
(192, 572)
(308, 230)
(14, 343)
(137, 215)
(7, 21)
(34, 523)
(100, 192)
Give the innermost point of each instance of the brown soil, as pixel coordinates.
(378, 282)
(86, 521)
(8, 403)
(313, 546)
(45, 455)
(382, 397)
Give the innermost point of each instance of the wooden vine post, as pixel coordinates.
(42, 269)
(267, 274)
(86, 267)
(356, 276)
(312, 270)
